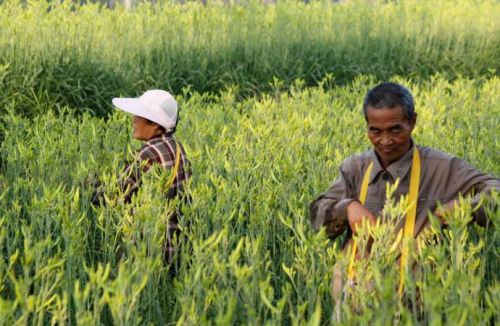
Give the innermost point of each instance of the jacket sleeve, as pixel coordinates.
(475, 183)
(329, 210)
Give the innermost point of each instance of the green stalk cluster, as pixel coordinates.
(249, 253)
(54, 55)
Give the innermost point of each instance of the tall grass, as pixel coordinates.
(252, 256)
(54, 55)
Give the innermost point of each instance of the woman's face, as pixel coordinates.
(145, 129)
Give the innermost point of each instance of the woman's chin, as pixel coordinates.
(138, 136)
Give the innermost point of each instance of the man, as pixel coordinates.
(154, 122)
(389, 112)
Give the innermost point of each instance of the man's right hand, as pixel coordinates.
(356, 213)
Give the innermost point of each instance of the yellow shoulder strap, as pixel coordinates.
(176, 165)
(409, 229)
(362, 199)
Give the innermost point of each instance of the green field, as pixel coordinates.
(266, 132)
(82, 57)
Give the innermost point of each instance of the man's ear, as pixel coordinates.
(413, 121)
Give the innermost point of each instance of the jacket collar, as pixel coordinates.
(397, 169)
(162, 137)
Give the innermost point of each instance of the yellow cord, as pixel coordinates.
(176, 166)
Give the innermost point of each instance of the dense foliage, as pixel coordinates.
(253, 257)
(270, 106)
(54, 55)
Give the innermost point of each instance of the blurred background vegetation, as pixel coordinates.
(55, 55)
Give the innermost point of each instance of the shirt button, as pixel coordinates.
(385, 176)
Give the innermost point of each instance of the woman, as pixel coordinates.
(154, 122)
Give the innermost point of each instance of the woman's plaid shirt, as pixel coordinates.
(161, 151)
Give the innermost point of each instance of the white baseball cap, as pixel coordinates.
(155, 105)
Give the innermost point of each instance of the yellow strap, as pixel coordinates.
(409, 229)
(176, 166)
(362, 199)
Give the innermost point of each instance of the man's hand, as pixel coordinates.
(356, 213)
(441, 212)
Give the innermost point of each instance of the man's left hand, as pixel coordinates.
(442, 211)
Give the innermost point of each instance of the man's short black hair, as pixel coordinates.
(390, 95)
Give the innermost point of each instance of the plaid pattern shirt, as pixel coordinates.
(160, 150)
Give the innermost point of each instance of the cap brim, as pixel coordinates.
(131, 105)
(135, 107)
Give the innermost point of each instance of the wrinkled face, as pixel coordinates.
(145, 129)
(390, 132)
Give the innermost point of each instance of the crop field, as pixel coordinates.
(83, 56)
(269, 110)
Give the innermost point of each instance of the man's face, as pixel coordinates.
(390, 132)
